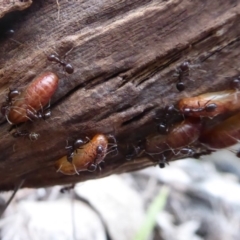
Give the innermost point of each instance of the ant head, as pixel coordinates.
(100, 150)
(78, 143)
(46, 114)
(12, 94)
(52, 57)
(187, 151)
(20, 133)
(184, 66)
(235, 83)
(163, 128)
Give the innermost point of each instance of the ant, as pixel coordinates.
(161, 162)
(32, 136)
(88, 157)
(211, 107)
(197, 155)
(43, 114)
(67, 66)
(182, 72)
(5, 108)
(183, 151)
(168, 116)
(187, 151)
(30, 103)
(74, 147)
(210, 104)
(208, 108)
(134, 150)
(79, 143)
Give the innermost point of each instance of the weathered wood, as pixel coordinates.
(125, 54)
(7, 6)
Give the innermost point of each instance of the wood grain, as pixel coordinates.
(125, 54)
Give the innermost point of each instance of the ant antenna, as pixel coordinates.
(17, 187)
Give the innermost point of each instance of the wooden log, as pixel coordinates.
(125, 55)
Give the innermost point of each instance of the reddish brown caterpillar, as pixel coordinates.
(222, 135)
(210, 104)
(86, 158)
(29, 104)
(179, 137)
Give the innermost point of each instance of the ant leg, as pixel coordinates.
(16, 133)
(65, 55)
(163, 161)
(67, 188)
(113, 145)
(75, 169)
(31, 115)
(70, 157)
(70, 153)
(92, 167)
(17, 187)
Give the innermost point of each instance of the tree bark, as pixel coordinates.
(125, 55)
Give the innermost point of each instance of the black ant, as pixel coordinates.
(9, 100)
(167, 117)
(67, 188)
(90, 155)
(44, 114)
(74, 147)
(67, 66)
(32, 136)
(183, 71)
(29, 105)
(134, 150)
(211, 107)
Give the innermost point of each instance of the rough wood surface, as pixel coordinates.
(125, 54)
(7, 6)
